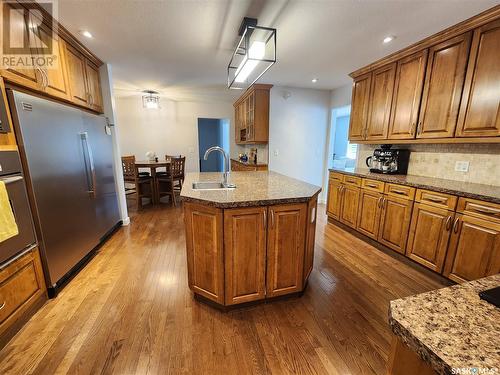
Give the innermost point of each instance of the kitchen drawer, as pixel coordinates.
(436, 199)
(336, 176)
(401, 191)
(480, 209)
(21, 285)
(373, 185)
(351, 180)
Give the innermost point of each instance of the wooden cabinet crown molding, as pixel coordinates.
(248, 91)
(479, 20)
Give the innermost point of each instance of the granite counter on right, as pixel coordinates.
(449, 227)
(446, 331)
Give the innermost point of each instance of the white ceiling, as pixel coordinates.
(182, 47)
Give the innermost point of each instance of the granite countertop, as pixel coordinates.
(259, 188)
(249, 163)
(451, 327)
(489, 193)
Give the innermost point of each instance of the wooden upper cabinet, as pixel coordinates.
(252, 115)
(29, 77)
(245, 254)
(205, 250)
(312, 208)
(350, 204)
(359, 107)
(444, 81)
(94, 86)
(334, 202)
(474, 250)
(480, 107)
(408, 86)
(429, 234)
(55, 81)
(77, 76)
(395, 222)
(285, 248)
(370, 207)
(382, 87)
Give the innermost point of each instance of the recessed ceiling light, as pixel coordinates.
(86, 33)
(314, 80)
(388, 39)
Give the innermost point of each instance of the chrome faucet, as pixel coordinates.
(225, 174)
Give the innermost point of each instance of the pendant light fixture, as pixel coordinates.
(253, 56)
(151, 100)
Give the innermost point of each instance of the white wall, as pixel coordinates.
(172, 129)
(298, 132)
(341, 96)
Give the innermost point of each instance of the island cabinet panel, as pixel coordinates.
(359, 108)
(480, 108)
(474, 250)
(204, 244)
(380, 102)
(429, 234)
(408, 86)
(443, 86)
(350, 204)
(395, 222)
(285, 248)
(334, 203)
(245, 254)
(369, 213)
(312, 208)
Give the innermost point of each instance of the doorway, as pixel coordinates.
(341, 153)
(212, 132)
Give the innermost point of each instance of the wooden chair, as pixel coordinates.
(177, 166)
(165, 184)
(140, 182)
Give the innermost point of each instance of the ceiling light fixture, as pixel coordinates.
(314, 80)
(151, 100)
(388, 39)
(86, 34)
(253, 56)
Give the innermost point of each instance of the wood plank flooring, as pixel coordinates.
(130, 311)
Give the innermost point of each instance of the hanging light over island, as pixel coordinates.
(253, 56)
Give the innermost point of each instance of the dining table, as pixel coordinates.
(153, 165)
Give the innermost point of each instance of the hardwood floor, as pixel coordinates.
(129, 311)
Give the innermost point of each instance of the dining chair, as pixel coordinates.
(178, 165)
(165, 184)
(142, 184)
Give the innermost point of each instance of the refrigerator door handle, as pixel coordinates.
(91, 178)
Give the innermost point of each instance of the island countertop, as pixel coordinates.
(260, 188)
(451, 328)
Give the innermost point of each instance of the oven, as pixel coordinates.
(11, 174)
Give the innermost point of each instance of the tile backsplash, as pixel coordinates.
(439, 161)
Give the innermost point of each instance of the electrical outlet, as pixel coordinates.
(462, 166)
(276, 152)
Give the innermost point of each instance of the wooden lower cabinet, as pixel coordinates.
(395, 223)
(204, 244)
(22, 289)
(474, 250)
(245, 254)
(429, 234)
(285, 249)
(350, 204)
(312, 208)
(334, 203)
(369, 213)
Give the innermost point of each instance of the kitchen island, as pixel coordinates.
(446, 331)
(251, 243)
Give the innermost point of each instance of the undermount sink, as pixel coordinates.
(212, 185)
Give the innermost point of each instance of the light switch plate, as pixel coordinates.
(276, 152)
(462, 166)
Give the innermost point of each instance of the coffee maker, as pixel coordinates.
(385, 160)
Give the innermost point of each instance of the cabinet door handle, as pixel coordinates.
(272, 218)
(434, 198)
(448, 223)
(419, 129)
(400, 192)
(265, 218)
(3, 305)
(371, 185)
(379, 203)
(455, 225)
(413, 128)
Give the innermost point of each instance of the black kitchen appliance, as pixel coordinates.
(385, 160)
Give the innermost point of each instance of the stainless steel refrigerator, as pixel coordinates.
(68, 161)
